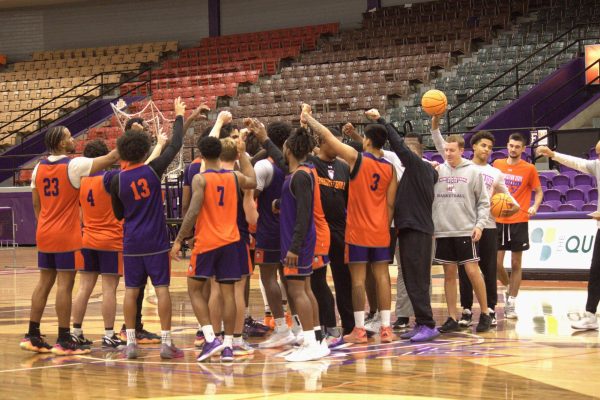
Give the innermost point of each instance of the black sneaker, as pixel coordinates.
(69, 347)
(401, 323)
(113, 342)
(485, 321)
(144, 337)
(37, 344)
(466, 319)
(449, 326)
(82, 340)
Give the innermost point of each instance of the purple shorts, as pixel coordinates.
(304, 267)
(137, 269)
(266, 257)
(244, 258)
(223, 263)
(103, 262)
(67, 261)
(359, 254)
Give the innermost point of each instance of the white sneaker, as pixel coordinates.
(324, 349)
(466, 318)
(278, 339)
(306, 352)
(299, 338)
(588, 322)
(509, 308)
(374, 324)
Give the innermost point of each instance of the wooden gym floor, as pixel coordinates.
(537, 357)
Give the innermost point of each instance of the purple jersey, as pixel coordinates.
(267, 228)
(287, 219)
(241, 219)
(190, 171)
(145, 226)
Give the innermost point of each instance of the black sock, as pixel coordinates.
(237, 335)
(34, 329)
(64, 333)
(318, 335)
(109, 329)
(268, 313)
(76, 326)
(222, 334)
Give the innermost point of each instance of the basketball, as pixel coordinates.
(500, 202)
(434, 102)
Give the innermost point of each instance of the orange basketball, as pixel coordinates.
(498, 203)
(434, 102)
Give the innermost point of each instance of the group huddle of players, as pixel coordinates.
(300, 201)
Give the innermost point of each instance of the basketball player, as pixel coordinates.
(217, 246)
(482, 144)
(413, 217)
(137, 199)
(461, 210)
(589, 320)
(371, 195)
(269, 181)
(55, 186)
(521, 178)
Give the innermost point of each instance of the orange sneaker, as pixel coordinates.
(358, 335)
(269, 321)
(288, 320)
(386, 335)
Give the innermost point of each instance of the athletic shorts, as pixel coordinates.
(223, 263)
(456, 250)
(320, 261)
(360, 254)
(103, 262)
(267, 257)
(67, 261)
(245, 261)
(137, 269)
(513, 237)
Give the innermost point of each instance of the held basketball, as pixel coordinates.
(500, 202)
(434, 102)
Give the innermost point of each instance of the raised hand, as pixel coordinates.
(348, 129)
(199, 112)
(224, 117)
(544, 151)
(373, 114)
(179, 107)
(257, 128)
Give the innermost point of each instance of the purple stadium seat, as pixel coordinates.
(428, 154)
(592, 195)
(588, 207)
(567, 207)
(570, 175)
(582, 179)
(575, 194)
(561, 180)
(437, 157)
(545, 208)
(561, 188)
(585, 189)
(552, 195)
(496, 155)
(563, 168)
(553, 204)
(544, 181)
(468, 154)
(577, 203)
(549, 174)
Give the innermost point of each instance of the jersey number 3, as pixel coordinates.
(50, 187)
(375, 184)
(140, 189)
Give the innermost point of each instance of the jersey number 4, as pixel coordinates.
(140, 189)
(90, 198)
(50, 187)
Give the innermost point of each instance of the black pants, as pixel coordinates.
(415, 258)
(322, 292)
(341, 280)
(488, 249)
(594, 281)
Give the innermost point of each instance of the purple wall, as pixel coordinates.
(22, 207)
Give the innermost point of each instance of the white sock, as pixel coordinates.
(238, 341)
(109, 332)
(77, 331)
(209, 333)
(296, 325)
(385, 317)
(228, 341)
(280, 324)
(309, 337)
(199, 327)
(130, 336)
(166, 337)
(359, 319)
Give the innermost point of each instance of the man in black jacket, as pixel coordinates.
(414, 222)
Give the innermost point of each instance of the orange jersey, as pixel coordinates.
(101, 230)
(58, 225)
(367, 223)
(216, 225)
(321, 225)
(520, 179)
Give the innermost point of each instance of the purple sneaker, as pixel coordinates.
(167, 352)
(209, 349)
(333, 342)
(227, 355)
(254, 328)
(425, 334)
(411, 333)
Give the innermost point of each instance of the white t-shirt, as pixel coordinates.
(493, 179)
(78, 168)
(264, 174)
(393, 158)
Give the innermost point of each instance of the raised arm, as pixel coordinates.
(260, 132)
(185, 231)
(250, 207)
(223, 118)
(161, 140)
(104, 162)
(246, 175)
(117, 205)
(160, 164)
(391, 196)
(580, 164)
(349, 130)
(198, 113)
(436, 135)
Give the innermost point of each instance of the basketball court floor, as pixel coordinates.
(537, 357)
